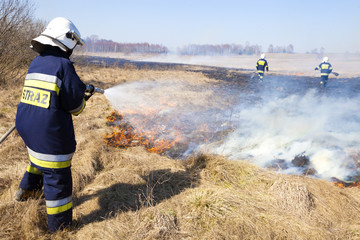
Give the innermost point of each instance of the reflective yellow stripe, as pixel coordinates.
(44, 77)
(56, 210)
(36, 97)
(48, 164)
(59, 202)
(33, 170)
(50, 157)
(78, 110)
(43, 85)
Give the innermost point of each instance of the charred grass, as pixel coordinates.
(133, 194)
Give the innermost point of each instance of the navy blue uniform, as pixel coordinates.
(261, 66)
(52, 93)
(325, 69)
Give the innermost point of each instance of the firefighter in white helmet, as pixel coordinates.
(52, 93)
(261, 66)
(325, 69)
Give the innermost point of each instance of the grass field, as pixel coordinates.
(286, 64)
(129, 193)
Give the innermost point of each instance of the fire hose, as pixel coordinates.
(90, 90)
(7, 133)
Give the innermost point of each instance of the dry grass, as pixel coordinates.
(133, 194)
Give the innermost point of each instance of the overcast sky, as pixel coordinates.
(306, 24)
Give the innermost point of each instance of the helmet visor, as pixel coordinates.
(74, 35)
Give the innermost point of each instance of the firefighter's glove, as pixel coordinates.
(90, 89)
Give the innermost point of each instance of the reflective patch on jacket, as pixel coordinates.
(261, 62)
(36, 97)
(37, 89)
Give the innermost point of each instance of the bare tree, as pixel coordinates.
(290, 48)
(17, 28)
(271, 48)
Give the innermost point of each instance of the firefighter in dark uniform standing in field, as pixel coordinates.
(261, 66)
(52, 93)
(325, 69)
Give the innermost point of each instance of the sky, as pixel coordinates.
(306, 24)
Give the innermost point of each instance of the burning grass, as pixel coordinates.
(160, 134)
(125, 135)
(343, 184)
(166, 117)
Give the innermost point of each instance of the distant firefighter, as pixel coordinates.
(325, 68)
(261, 66)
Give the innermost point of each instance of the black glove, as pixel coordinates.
(90, 88)
(89, 91)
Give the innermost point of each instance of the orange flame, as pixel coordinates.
(125, 135)
(342, 184)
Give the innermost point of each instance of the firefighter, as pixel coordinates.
(325, 69)
(52, 93)
(261, 66)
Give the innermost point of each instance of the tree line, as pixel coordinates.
(281, 49)
(94, 44)
(230, 49)
(221, 49)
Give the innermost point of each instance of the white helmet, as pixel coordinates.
(325, 59)
(60, 32)
(262, 56)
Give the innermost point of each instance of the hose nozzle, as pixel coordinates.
(90, 90)
(98, 90)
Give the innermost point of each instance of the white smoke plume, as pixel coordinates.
(324, 128)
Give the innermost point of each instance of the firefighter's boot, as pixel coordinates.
(23, 194)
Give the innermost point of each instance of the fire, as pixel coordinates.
(342, 184)
(126, 135)
(113, 117)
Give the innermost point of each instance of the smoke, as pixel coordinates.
(324, 128)
(175, 99)
(279, 122)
